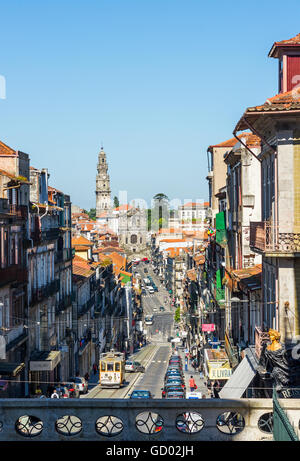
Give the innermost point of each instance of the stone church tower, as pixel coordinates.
(103, 199)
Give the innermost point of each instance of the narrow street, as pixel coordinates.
(155, 355)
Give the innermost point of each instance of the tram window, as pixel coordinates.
(110, 367)
(102, 366)
(117, 366)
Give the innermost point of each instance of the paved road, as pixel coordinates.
(155, 355)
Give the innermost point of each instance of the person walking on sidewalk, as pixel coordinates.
(192, 384)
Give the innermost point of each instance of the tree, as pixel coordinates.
(161, 196)
(177, 315)
(116, 202)
(92, 214)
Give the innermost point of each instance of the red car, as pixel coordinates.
(145, 259)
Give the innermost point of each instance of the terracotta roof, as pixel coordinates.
(173, 240)
(175, 251)
(196, 204)
(229, 143)
(250, 139)
(283, 101)
(13, 177)
(52, 189)
(247, 272)
(6, 150)
(81, 241)
(292, 42)
(81, 267)
(122, 208)
(288, 102)
(170, 230)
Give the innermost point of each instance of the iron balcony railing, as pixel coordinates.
(268, 237)
(261, 337)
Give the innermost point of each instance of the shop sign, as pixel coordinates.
(208, 327)
(219, 373)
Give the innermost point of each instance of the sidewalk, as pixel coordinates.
(196, 375)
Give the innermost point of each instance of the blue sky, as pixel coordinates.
(157, 81)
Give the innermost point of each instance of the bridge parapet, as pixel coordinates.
(129, 420)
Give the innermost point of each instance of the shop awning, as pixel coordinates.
(45, 361)
(11, 369)
(240, 379)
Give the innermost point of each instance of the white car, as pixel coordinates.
(155, 309)
(151, 290)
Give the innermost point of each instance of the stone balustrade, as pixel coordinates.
(141, 420)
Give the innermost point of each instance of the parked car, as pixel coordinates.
(140, 394)
(130, 366)
(175, 381)
(173, 392)
(80, 383)
(139, 367)
(161, 308)
(173, 373)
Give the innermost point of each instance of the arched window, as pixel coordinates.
(133, 238)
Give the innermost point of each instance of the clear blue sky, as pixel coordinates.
(157, 81)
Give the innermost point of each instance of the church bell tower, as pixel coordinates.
(103, 192)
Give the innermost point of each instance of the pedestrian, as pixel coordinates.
(38, 391)
(215, 390)
(186, 364)
(54, 395)
(95, 368)
(204, 396)
(192, 384)
(86, 376)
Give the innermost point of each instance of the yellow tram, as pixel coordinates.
(112, 369)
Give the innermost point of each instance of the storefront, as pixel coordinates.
(217, 366)
(44, 370)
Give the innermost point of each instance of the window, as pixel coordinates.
(102, 366)
(133, 239)
(110, 367)
(117, 366)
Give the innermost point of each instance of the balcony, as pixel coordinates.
(13, 273)
(44, 292)
(13, 333)
(266, 237)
